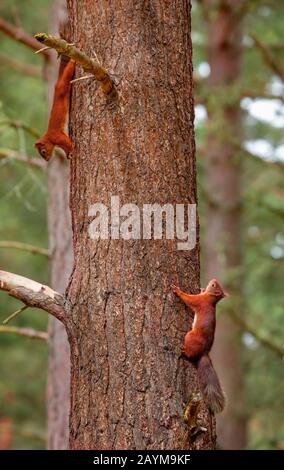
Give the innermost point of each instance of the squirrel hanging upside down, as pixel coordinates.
(199, 340)
(55, 134)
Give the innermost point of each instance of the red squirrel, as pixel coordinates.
(199, 340)
(55, 134)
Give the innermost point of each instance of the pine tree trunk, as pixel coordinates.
(128, 387)
(223, 223)
(60, 246)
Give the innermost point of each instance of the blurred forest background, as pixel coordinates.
(251, 100)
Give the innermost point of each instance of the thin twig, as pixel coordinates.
(29, 332)
(255, 95)
(35, 250)
(18, 34)
(278, 350)
(276, 163)
(246, 153)
(31, 161)
(28, 69)
(46, 48)
(268, 59)
(14, 315)
(20, 125)
(82, 78)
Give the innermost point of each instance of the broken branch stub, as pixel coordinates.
(90, 65)
(33, 294)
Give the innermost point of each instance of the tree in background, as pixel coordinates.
(231, 177)
(61, 261)
(222, 173)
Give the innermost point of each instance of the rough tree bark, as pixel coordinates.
(223, 223)
(128, 387)
(60, 246)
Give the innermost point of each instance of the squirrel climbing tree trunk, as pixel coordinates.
(129, 389)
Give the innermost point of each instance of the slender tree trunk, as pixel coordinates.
(128, 387)
(60, 246)
(58, 392)
(223, 224)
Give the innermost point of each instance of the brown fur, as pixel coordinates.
(55, 134)
(210, 384)
(199, 340)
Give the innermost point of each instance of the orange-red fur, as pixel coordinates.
(55, 134)
(199, 340)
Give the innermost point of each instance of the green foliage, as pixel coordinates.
(23, 218)
(263, 216)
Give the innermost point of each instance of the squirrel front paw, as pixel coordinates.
(175, 288)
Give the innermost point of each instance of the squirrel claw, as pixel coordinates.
(174, 288)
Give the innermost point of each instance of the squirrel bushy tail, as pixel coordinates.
(210, 385)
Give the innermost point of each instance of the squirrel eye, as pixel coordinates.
(43, 151)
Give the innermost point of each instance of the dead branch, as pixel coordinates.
(202, 151)
(89, 65)
(28, 69)
(278, 350)
(20, 125)
(255, 95)
(30, 161)
(30, 332)
(18, 34)
(35, 250)
(33, 294)
(276, 163)
(268, 59)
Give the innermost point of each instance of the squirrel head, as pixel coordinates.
(44, 148)
(215, 289)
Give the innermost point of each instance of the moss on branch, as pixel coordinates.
(90, 65)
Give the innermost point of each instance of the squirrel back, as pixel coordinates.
(55, 134)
